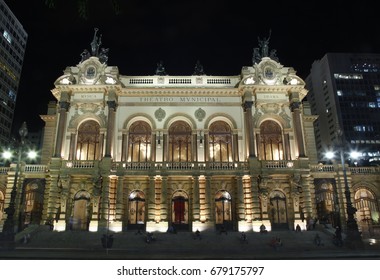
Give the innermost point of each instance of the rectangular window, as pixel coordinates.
(7, 36)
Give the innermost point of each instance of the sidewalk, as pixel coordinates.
(213, 245)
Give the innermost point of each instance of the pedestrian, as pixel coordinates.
(197, 235)
(263, 229)
(223, 230)
(244, 237)
(317, 240)
(298, 228)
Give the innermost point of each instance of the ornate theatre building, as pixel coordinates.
(196, 152)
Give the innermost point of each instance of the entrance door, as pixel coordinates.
(136, 210)
(278, 211)
(180, 211)
(223, 210)
(80, 219)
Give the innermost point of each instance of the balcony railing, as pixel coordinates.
(80, 164)
(35, 168)
(322, 168)
(179, 165)
(282, 164)
(364, 170)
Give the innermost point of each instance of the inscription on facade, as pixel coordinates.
(180, 99)
(89, 96)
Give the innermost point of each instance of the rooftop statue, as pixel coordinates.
(95, 45)
(263, 50)
(160, 70)
(198, 69)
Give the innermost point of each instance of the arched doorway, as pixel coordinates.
(33, 204)
(367, 213)
(223, 210)
(327, 210)
(277, 210)
(80, 219)
(180, 210)
(136, 210)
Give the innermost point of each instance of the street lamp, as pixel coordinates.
(353, 237)
(10, 226)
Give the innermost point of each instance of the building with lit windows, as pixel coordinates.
(344, 91)
(197, 152)
(13, 40)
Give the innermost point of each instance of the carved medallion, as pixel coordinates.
(200, 114)
(160, 114)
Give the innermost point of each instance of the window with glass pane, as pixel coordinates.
(140, 141)
(88, 141)
(366, 205)
(220, 142)
(271, 146)
(180, 142)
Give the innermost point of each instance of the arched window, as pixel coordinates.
(140, 141)
(220, 142)
(324, 198)
(271, 146)
(88, 146)
(366, 205)
(180, 142)
(34, 200)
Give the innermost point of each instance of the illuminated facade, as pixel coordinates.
(13, 40)
(196, 152)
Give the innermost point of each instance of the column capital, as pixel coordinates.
(64, 105)
(247, 105)
(295, 105)
(112, 104)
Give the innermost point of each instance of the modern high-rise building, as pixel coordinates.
(13, 40)
(344, 91)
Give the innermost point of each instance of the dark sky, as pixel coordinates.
(221, 34)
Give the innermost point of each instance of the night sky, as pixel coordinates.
(221, 34)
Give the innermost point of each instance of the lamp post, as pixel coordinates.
(353, 238)
(11, 223)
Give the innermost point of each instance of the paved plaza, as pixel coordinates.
(184, 245)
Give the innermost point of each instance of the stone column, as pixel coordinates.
(307, 196)
(164, 199)
(247, 106)
(240, 199)
(63, 108)
(104, 203)
(209, 213)
(110, 127)
(256, 209)
(119, 200)
(235, 146)
(152, 199)
(72, 146)
(124, 145)
(196, 207)
(295, 107)
(287, 146)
